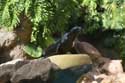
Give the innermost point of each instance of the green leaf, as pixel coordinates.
(33, 50)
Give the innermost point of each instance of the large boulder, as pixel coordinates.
(11, 42)
(10, 47)
(16, 52)
(7, 39)
(37, 71)
(7, 69)
(40, 70)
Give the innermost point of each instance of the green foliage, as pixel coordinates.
(91, 15)
(105, 14)
(114, 15)
(47, 16)
(50, 16)
(33, 51)
(122, 44)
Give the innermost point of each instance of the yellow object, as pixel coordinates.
(70, 60)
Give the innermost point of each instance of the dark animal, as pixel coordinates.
(64, 44)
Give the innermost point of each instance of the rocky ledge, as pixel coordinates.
(39, 70)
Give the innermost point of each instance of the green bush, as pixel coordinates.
(51, 16)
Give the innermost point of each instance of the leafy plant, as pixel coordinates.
(33, 50)
(51, 16)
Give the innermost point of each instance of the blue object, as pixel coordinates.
(71, 75)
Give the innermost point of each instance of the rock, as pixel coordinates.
(7, 69)
(17, 52)
(113, 67)
(14, 53)
(10, 42)
(42, 70)
(39, 70)
(7, 39)
(114, 74)
(108, 79)
(4, 56)
(120, 78)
